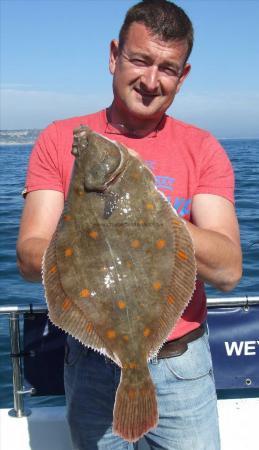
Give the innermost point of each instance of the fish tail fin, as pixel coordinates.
(135, 409)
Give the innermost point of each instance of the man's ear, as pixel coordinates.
(185, 73)
(114, 50)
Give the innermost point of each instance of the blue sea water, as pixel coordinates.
(244, 155)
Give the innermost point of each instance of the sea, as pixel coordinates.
(244, 155)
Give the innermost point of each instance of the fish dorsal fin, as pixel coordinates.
(63, 312)
(181, 284)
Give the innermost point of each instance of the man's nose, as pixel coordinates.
(150, 79)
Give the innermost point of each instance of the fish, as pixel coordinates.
(119, 270)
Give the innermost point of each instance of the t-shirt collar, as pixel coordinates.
(119, 129)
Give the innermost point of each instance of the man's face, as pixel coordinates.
(147, 73)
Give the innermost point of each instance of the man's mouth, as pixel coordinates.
(146, 94)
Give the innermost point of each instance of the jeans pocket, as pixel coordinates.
(73, 351)
(195, 363)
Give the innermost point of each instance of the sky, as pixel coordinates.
(54, 63)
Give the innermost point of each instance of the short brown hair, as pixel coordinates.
(163, 18)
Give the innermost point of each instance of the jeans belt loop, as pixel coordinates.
(154, 360)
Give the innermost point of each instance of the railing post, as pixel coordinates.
(18, 410)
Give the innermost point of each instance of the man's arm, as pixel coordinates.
(40, 216)
(215, 234)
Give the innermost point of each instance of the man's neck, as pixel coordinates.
(132, 126)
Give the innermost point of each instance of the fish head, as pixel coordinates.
(99, 159)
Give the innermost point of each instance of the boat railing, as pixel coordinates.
(17, 312)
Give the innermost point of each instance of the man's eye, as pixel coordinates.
(138, 62)
(170, 71)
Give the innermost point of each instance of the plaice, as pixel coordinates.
(119, 271)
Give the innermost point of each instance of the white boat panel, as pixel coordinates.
(238, 420)
(46, 428)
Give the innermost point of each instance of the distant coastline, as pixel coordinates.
(11, 143)
(29, 136)
(18, 137)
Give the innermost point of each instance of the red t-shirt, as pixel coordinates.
(185, 160)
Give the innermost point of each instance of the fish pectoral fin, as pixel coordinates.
(135, 409)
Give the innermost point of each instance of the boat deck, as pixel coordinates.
(233, 324)
(46, 427)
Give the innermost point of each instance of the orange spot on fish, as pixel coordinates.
(84, 293)
(68, 251)
(182, 255)
(160, 244)
(176, 222)
(67, 303)
(129, 264)
(111, 334)
(143, 391)
(93, 234)
(89, 327)
(67, 217)
(132, 393)
(79, 192)
(133, 365)
(149, 205)
(121, 304)
(135, 243)
(146, 332)
(53, 269)
(141, 222)
(170, 299)
(157, 285)
(125, 338)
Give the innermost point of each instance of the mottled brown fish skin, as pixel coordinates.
(119, 270)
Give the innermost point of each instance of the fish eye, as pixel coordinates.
(75, 150)
(84, 143)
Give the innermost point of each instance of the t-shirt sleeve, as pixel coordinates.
(43, 169)
(216, 172)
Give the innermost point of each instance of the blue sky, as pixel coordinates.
(54, 62)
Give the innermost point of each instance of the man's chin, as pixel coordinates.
(143, 112)
(148, 117)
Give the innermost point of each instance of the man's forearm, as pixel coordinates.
(219, 260)
(29, 257)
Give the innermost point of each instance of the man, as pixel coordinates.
(149, 64)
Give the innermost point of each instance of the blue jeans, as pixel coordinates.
(186, 398)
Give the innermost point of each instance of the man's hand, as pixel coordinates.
(215, 233)
(40, 217)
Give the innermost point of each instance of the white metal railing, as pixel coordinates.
(232, 301)
(211, 302)
(16, 311)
